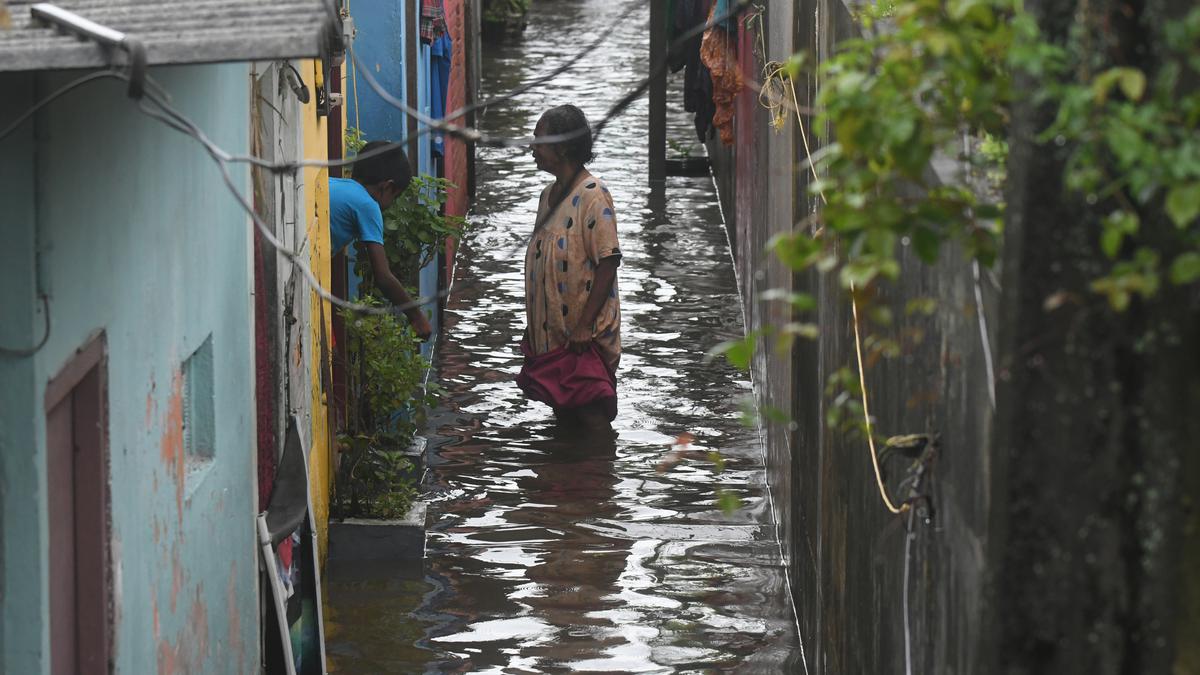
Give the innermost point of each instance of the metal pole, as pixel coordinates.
(658, 91)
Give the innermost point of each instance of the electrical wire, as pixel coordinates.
(473, 135)
(538, 81)
(862, 377)
(163, 112)
(30, 351)
(59, 93)
(179, 122)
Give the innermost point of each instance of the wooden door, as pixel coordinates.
(77, 494)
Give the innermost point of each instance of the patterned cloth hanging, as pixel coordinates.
(433, 20)
(717, 51)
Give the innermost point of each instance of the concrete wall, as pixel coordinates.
(127, 227)
(846, 552)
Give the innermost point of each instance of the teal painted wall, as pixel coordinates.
(139, 238)
(19, 470)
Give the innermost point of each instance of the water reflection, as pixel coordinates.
(549, 553)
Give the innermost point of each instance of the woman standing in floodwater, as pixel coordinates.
(572, 309)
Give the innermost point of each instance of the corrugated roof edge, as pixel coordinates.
(309, 36)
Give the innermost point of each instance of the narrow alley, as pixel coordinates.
(545, 554)
(907, 295)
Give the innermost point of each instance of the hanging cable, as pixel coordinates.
(160, 109)
(57, 94)
(30, 351)
(862, 377)
(177, 121)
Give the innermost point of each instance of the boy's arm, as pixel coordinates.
(391, 287)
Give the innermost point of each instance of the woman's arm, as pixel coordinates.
(602, 284)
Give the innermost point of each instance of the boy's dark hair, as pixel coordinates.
(389, 165)
(565, 119)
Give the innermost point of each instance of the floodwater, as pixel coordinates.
(547, 554)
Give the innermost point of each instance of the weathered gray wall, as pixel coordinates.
(846, 552)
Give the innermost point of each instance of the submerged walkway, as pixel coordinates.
(546, 556)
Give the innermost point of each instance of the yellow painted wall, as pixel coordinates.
(316, 208)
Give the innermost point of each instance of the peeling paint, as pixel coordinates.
(172, 441)
(198, 619)
(176, 576)
(189, 652)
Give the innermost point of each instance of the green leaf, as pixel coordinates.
(1110, 241)
(1132, 82)
(926, 242)
(737, 352)
(1183, 204)
(801, 301)
(728, 501)
(805, 330)
(989, 211)
(1117, 225)
(796, 64)
(1186, 268)
(858, 273)
(797, 251)
(717, 460)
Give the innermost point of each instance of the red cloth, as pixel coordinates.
(561, 379)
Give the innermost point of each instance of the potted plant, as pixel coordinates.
(378, 462)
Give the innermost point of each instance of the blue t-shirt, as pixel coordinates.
(353, 214)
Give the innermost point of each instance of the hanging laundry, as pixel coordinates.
(433, 21)
(718, 54)
(440, 55)
(683, 16)
(698, 99)
(686, 15)
(723, 8)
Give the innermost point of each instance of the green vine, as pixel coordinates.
(415, 229)
(925, 75)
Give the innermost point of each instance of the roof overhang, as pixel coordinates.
(173, 32)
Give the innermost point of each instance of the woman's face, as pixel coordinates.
(544, 154)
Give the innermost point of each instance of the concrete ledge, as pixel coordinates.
(361, 539)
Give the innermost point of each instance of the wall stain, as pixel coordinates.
(172, 441)
(176, 575)
(190, 651)
(151, 405)
(235, 618)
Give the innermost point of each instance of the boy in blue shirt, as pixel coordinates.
(356, 215)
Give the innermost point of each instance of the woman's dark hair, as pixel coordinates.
(563, 120)
(390, 165)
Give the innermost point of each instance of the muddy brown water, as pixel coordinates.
(547, 554)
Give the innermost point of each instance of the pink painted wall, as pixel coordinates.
(456, 97)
